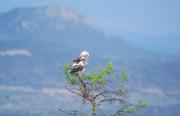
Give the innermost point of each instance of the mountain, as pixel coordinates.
(33, 40)
(164, 44)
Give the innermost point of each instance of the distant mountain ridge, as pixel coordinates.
(34, 40)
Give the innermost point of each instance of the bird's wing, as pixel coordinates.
(77, 60)
(77, 68)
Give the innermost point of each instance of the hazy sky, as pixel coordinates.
(155, 17)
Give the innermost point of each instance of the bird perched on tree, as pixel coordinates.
(79, 64)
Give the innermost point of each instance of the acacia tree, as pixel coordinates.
(102, 87)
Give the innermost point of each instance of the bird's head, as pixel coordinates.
(84, 54)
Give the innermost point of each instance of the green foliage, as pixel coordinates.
(124, 76)
(70, 79)
(95, 77)
(142, 103)
(67, 70)
(99, 76)
(108, 69)
(129, 110)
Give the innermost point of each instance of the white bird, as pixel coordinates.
(80, 63)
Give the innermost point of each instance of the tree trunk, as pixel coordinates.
(94, 109)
